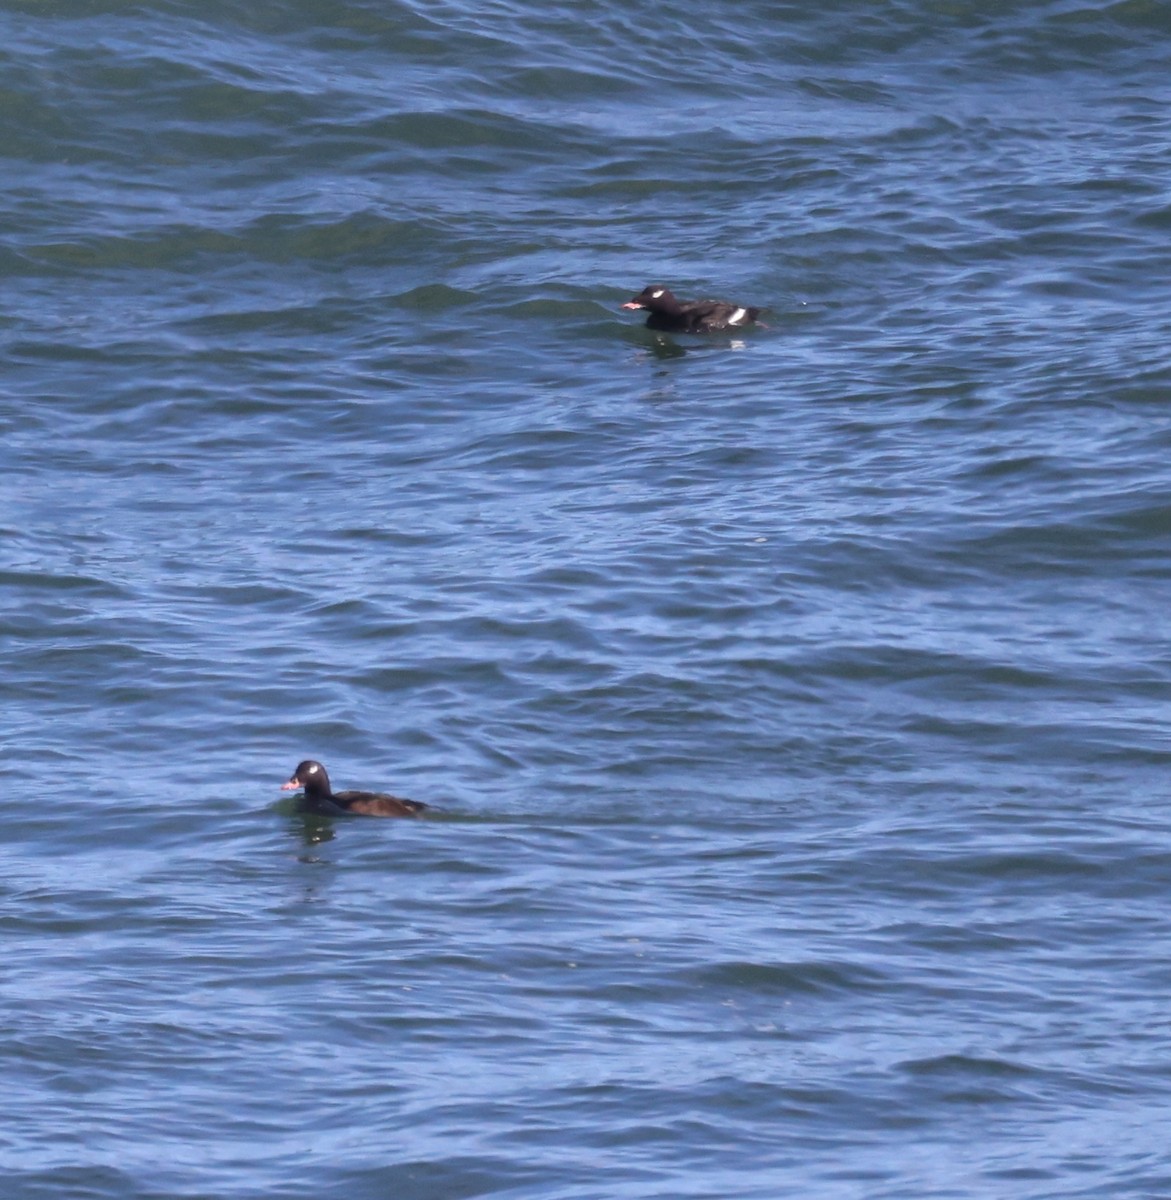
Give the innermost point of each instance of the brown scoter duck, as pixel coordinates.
(310, 776)
(691, 316)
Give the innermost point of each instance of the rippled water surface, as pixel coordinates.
(793, 706)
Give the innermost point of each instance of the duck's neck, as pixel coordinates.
(316, 786)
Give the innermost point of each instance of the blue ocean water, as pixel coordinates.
(793, 705)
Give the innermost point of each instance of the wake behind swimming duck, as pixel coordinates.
(691, 316)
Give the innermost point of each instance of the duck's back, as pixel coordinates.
(374, 804)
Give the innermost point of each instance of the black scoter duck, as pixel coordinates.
(310, 776)
(691, 316)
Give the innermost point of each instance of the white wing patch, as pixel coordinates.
(738, 316)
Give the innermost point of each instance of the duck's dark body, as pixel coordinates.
(311, 778)
(691, 316)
